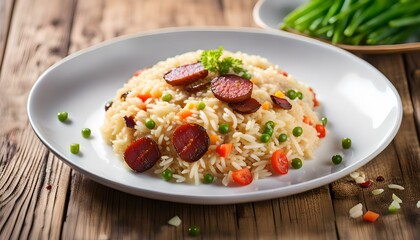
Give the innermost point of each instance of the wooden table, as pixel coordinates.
(42, 198)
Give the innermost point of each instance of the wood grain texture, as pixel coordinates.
(27, 208)
(6, 10)
(397, 164)
(42, 198)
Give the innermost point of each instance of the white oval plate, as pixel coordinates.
(269, 14)
(358, 100)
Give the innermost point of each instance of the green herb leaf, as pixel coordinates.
(212, 62)
(210, 59)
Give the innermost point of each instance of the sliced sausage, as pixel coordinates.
(186, 74)
(197, 85)
(191, 142)
(142, 154)
(281, 102)
(231, 88)
(129, 121)
(248, 106)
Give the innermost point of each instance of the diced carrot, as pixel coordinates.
(224, 149)
(184, 114)
(138, 72)
(307, 120)
(190, 105)
(279, 94)
(265, 105)
(157, 93)
(144, 96)
(316, 103)
(214, 139)
(370, 216)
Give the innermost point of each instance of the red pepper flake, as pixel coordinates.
(48, 187)
(366, 184)
(129, 121)
(380, 179)
(124, 96)
(108, 105)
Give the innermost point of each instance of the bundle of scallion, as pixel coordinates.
(357, 22)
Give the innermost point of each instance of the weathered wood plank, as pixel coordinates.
(6, 10)
(38, 37)
(397, 164)
(308, 215)
(413, 74)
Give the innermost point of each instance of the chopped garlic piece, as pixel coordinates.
(395, 198)
(354, 175)
(356, 214)
(377, 191)
(356, 208)
(418, 204)
(360, 180)
(395, 204)
(396, 186)
(175, 221)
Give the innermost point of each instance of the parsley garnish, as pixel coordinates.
(212, 62)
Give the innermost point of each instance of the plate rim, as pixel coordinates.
(216, 200)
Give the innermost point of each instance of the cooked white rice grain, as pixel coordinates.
(245, 129)
(396, 186)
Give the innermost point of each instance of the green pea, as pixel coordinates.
(265, 138)
(337, 159)
(201, 105)
(296, 163)
(150, 124)
(167, 174)
(268, 130)
(194, 230)
(167, 97)
(74, 148)
(291, 94)
(62, 116)
(224, 128)
(299, 95)
(297, 131)
(282, 137)
(208, 178)
(86, 132)
(270, 124)
(346, 143)
(324, 121)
